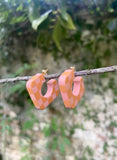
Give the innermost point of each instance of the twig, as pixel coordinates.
(78, 73)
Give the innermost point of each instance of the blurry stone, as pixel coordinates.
(109, 114)
(77, 143)
(85, 34)
(42, 125)
(12, 114)
(114, 108)
(91, 139)
(99, 156)
(69, 150)
(105, 82)
(16, 131)
(87, 137)
(101, 116)
(111, 150)
(102, 125)
(97, 102)
(14, 154)
(67, 133)
(15, 127)
(99, 150)
(56, 155)
(29, 132)
(114, 117)
(40, 144)
(101, 134)
(108, 96)
(110, 142)
(79, 118)
(107, 122)
(115, 131)
(25, 141)
(108, 133)
(43, 115)
(84, 134)
(77, 153)
(89, 125)
(15, 141)
(90, 21)
(69, 157)
(35, 127)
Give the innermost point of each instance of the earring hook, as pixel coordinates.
(44, 71)
(73, 68)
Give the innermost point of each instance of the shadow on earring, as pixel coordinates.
(70, 98)
(34, 88)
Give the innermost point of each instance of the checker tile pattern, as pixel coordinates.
(34, 88)
(71, 98)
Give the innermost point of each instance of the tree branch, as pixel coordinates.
(78, 73)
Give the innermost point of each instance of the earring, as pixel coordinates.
(71, 98)
(34, 88)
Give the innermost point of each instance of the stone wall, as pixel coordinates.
(91, 128)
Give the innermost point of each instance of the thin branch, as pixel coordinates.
(78, 73)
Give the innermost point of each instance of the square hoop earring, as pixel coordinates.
(71, 98)
(34, 86)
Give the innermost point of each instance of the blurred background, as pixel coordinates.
(55, 35)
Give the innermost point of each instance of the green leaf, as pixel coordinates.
(18, 19)
(64, 14)
(58, 34)
(33, 12)
(47, 158)
(68, 23)
(28, 124)
(24, 68)
(38, 21)
(55, 143)
(47, 131)
(107, 52)
(62, 147)
(1, 107)
(6, 128)
(24, 148)
(111, 10)
(25, 157)
(98, 9)
(66, 141)
(19, 8)
(54, 124)
(1, 115)
(112, 25)
(63, 11)
(17, 88)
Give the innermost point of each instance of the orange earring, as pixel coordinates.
(71, 98)
(34, 88)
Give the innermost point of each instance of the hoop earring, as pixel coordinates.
(34, 86)
(71, 98)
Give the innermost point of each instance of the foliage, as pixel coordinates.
(18, 90)
(58, 132)
(54, 21)
(4, 123)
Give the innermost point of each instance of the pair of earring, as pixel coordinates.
(70, 98)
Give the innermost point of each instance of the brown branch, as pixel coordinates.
(78, 73)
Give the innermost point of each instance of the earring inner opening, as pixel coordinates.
(44, 88)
